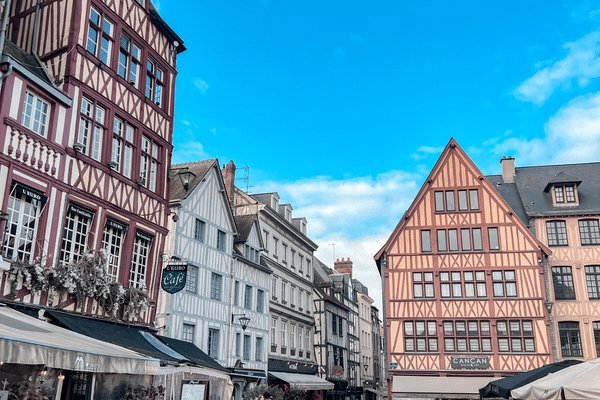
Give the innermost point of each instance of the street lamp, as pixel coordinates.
(186, 177)
(243, 320)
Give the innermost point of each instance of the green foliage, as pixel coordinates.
(144, 393)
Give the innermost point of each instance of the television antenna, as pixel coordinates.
(245, 178)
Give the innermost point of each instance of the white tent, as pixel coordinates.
(578, 382)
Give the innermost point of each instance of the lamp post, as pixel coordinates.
(186, 177)
(243, 320)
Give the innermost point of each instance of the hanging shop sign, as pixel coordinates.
(173, 278)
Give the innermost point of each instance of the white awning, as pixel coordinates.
(28, 340)
(303, 381)
(466, 387)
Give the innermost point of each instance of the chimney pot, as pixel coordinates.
(508, 169)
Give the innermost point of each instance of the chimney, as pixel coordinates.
(508, 169)
(343, 267)
(229, 180)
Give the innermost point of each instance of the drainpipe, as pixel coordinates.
(35, 28)
(3, 39)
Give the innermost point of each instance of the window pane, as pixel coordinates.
(474, 198)
(439, 201)
(450, 206)
(453, 239)
(462, 200)
(477, 241)
(465, 239)
(441, 239)
(493, 236)
(426, 241)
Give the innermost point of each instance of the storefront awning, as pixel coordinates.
(303, 381)
(445, 387)
(27, 340)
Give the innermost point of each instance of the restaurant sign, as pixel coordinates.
(173, 278)
(470, 362)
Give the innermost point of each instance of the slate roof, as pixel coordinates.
(529, 196)
(27, 60)
(244, 224)
(198, 168)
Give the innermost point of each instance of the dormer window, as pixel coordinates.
(564, 194)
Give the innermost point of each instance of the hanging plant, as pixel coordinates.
(137, 301)
(31, 273)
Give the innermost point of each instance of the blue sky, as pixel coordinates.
(343, 107)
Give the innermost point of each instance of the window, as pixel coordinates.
(477, 241)
(589, 232)
(191, 280)
(493, 236)
(334, 324)
(293, 259)
(236, 293)
(465, 239)
(474, 284)
(283, 292)
(247, 347)
(592, 277)
(24, 208)
(452, 240)
(292, 296)
(216, 286)
(340, 326)
(562, 193)
(122, 147)
(308, 270)
(266, 234)
(450, 284)
(300, 340)
(112, 242)
(467, 336)
(221, 240)
(188, 333)
(439, 202)
(213, 343)
(423, 284)
(91, 128)
(238, 344)
(100, 36)
(283, 334)
(149, 164)
(426, 241)
(463, 204)
(557, 233)
(260, 300)
(129, 61)
(154, 82)
(515, 336)
(274, 288)
(307, 342)
(420, 336)
(292, 336)
(596, 326)
(441, 240)
(80, 384)
(570, 341)
(562, 279)
(450, 206)
(284, 253)
(300, 298)
(248, 297)
(139, 262)
(504, 283)
(35, 114)
(474, 199)
(77, 226)
(275, 247)
(258, 356)
(300, 263)
(273, 332)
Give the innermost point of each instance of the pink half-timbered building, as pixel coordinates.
(86, 122)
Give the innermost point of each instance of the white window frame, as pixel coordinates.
(35, 115)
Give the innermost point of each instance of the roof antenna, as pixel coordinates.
(246, 178)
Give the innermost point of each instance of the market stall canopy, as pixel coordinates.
(303, 381)
(445, 387)
(502, 387)
(27, 340)
(580, 381)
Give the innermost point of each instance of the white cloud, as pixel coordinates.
(201, 85)
(191, 151)
(425, 152)
(357, 215)
(581, 63)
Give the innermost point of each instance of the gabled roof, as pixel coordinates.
(198, 168)
(244, 224)
(451, 148)
(529, 196)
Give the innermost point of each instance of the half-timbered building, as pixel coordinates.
(561, 206)
(200, 238)
(464, 292)
(86, 138)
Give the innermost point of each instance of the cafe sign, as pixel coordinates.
(173, 278)
(470, 362)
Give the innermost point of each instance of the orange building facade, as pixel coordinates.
(464, 289)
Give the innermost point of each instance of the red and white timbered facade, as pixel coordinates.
(464, 287)
(87, 138)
